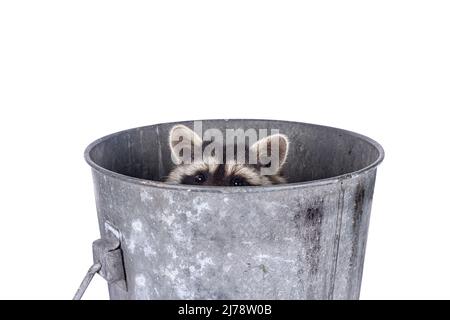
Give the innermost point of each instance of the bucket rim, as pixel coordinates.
(246, 189)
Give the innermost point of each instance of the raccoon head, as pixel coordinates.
(214, 171)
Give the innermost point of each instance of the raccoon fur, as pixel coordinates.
(212, 171)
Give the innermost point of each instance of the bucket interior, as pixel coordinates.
(315, 152)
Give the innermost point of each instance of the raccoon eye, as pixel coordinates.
(238, 182)
(199, 178)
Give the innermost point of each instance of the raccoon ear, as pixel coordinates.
(265, 147)
(183, 138)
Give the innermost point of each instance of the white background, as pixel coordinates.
(73, 71)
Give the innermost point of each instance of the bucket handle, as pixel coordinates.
(87, 280)
(108, 263)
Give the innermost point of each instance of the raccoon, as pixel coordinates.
(212, 171)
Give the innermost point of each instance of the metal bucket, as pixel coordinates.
(302, 240)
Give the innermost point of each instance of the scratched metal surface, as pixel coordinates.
(302, 240)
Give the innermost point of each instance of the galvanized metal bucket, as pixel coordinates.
(302, 240)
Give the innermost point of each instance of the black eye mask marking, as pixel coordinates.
(198, 178)
(238, 182)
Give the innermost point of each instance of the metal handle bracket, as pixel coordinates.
(108, 263)
(108, 254)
